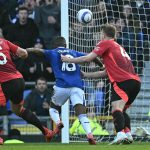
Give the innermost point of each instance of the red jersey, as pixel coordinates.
(8, 69)
(117, 62)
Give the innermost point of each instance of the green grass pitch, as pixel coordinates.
(75, 146)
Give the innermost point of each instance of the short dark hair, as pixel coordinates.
(22, 8)
(40, 78)
(58, 41)
(109, 30)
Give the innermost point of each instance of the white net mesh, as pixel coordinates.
(131, 19)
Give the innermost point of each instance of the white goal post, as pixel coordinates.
(65, 34)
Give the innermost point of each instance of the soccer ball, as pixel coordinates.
(84, 16)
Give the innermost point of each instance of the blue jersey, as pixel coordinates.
(66, 74)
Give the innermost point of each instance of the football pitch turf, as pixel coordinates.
(75, 146)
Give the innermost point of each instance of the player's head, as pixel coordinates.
(108, 32)
(58, 41)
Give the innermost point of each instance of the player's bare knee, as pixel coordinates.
(118, 105)
(79, 109)
(58, 108)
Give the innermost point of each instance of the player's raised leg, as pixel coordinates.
(54, 112)
(31, 118)
(16, 97)
(61, 95)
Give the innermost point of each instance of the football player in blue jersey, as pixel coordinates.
(69, 84)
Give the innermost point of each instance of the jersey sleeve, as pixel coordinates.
(79, 54)
(47, 54)
(13, 47)
(101, 48)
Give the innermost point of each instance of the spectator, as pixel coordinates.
(24, 31)
(113, 7)
(38, 100)
(31, 4)
(99, 97)
(47, 18)
(89, 85)
(39, 66)
(76, 30)
(141, 10)
(126, 37)
(101, 7)
(7, 12)
(58, 2)
(14, 137)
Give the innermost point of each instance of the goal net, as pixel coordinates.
(131, 20)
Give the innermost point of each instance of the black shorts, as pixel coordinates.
(126, 90)
(13, 90)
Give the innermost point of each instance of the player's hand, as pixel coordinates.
(82, 74)
(64, 58)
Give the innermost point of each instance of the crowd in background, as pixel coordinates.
(132, 21)
(33, 23)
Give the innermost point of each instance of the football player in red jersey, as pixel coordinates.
(125, 82)
(2, 103)
(13, 85)
(2, 98)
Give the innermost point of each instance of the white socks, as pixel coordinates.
(85, 123)
(54, 114)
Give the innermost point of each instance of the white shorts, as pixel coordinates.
(61, 95)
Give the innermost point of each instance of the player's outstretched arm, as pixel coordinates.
(91, 56)
(98, 61)
(37, 51)
(98, 74)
